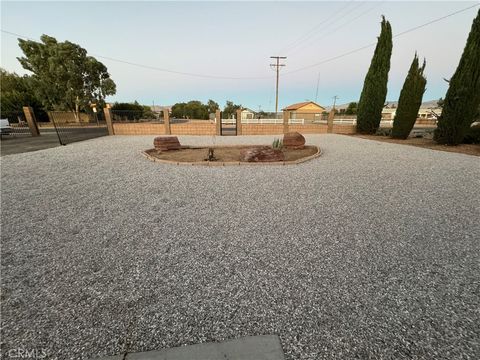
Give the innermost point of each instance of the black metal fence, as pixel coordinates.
(70, 127)
(17, 124)
(136, 116)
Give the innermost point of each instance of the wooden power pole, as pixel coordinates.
(277, 66)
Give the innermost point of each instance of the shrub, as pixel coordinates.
(374, 92)
(409, 101)
(463, 95)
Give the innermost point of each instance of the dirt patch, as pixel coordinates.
(469, 149)
(224, 154)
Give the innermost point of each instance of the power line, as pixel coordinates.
(261, 77)
(277, 67)
(373, 44)
(156, 68)
(321, 26)
(376, 4)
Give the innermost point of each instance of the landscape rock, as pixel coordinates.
(293, 140)
(261, 154)
(165, 143)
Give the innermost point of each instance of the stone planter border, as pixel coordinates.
(229, 163)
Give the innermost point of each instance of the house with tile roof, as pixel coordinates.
(307, 110)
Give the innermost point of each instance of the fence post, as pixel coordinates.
(166, 120)
(218, 122)
(331, 115)
(31, 120)
(239, 122)
(286, 117)
(108, 118)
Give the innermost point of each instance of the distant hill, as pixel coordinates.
(425, 104)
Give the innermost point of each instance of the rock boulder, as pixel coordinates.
(293, 140)
(261, 154)
(165, 143)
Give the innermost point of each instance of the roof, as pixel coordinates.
(300, 105)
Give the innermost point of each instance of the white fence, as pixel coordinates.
(341, 121)
(271, 121)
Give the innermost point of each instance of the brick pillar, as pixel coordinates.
(286, 117)
(218, 122)
(166, 120)
(239, 122)
(331, 115)
(31, 120)
(108, 118)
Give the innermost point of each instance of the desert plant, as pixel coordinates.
(374, 92)
(409, 101)
(277, 144)
(463, 94)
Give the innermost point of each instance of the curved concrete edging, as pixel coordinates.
(232, 163)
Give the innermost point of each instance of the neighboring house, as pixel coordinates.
(423, 113)
(307, 110)
(429, 113)
(158, 109)
(388, 113)
(247, 114)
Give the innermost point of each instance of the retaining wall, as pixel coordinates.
(207, 128)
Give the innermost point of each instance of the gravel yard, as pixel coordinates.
(370, 251)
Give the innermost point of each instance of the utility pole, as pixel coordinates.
(335, 101)
(277, 68)
(318, 83)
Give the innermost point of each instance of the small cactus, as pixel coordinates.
(277, 144)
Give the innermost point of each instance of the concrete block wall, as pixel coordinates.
(309, 128)
(262, 129)
(193, 128)
(138, 129)
(207, 128)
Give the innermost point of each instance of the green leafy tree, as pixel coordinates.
(463, 94)
(410, 100)
(135, 106)
(17, 92)
(351, 108)
(132, 111)
(179, 111)
(212, 106)
(192, 110)
(64, 76)
(230, 109)
(374, 90)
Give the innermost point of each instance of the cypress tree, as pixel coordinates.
(409, 101)
(463, 95)
(374, 90)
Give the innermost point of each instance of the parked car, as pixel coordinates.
(5, 128)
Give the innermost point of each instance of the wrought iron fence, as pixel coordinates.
(70, 127)
(18, 125)
(136, 116)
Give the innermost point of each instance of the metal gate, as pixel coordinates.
(70, 127)
(229, 125)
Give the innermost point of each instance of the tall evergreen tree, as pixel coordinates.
(409, 101)
(374, 90)
(463, 95)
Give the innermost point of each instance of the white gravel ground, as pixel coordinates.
(370, 251)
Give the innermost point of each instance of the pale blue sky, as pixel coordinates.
(235, 39)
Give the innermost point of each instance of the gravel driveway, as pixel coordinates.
(370, 251)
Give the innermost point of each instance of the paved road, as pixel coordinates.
(20, 143)
(370, 251)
